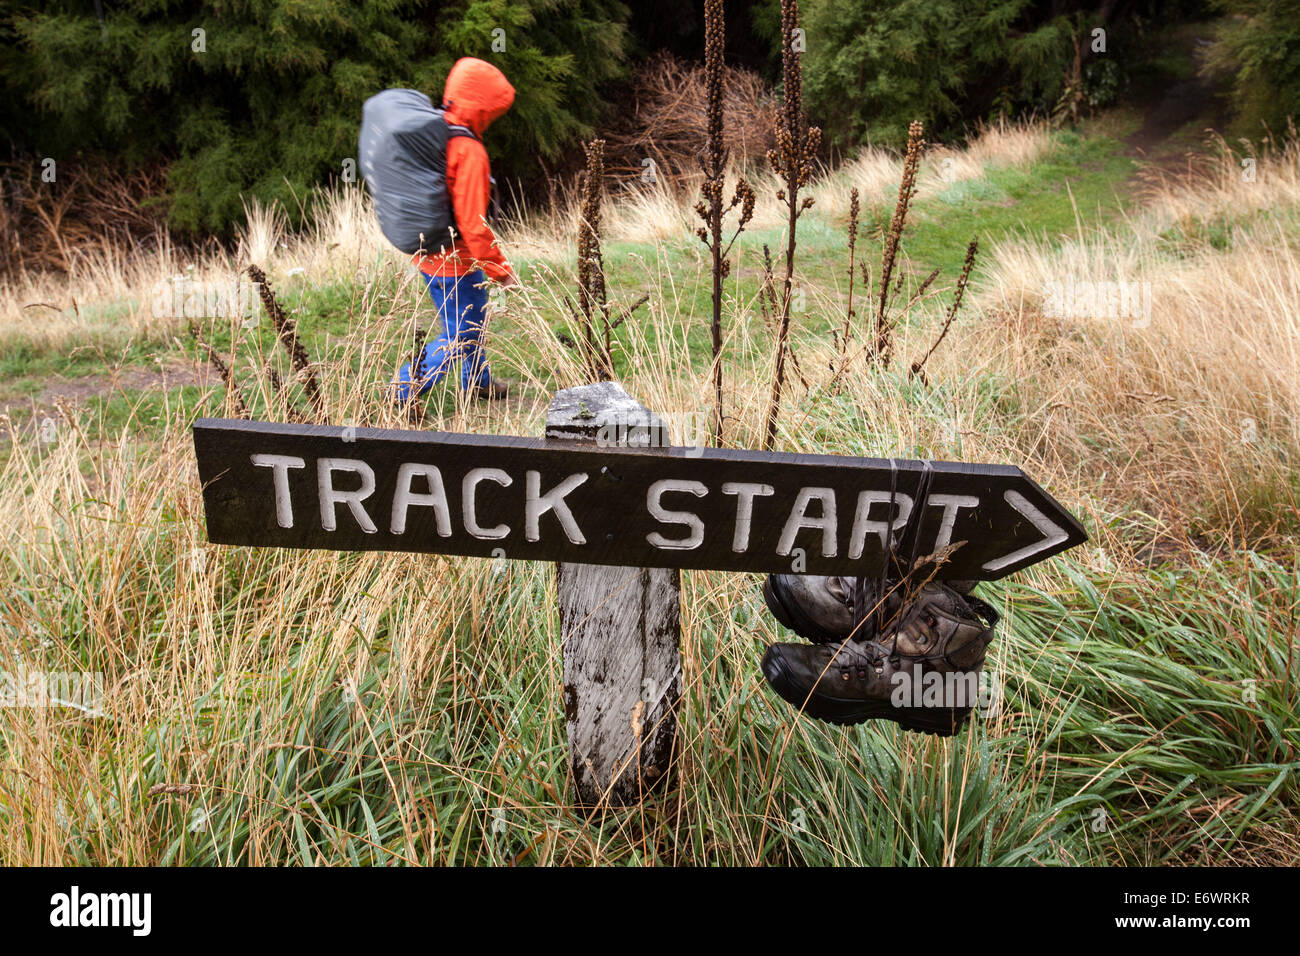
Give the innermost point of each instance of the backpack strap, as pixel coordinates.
(454, 130)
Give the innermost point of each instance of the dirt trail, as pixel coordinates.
(31, 411)
(1167, 136)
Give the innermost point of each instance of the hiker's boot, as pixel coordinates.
(885, 673)
(492, 391)
(814, 607)
(821, 609)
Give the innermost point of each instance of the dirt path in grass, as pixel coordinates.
(1175, 121)
(30, 411)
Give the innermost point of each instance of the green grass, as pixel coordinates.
(384, 709)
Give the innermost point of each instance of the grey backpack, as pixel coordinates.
(403, 150)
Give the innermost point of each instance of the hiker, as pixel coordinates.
(476, 94)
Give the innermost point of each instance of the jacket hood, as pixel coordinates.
(476, 94)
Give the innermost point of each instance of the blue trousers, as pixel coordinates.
(462, 309)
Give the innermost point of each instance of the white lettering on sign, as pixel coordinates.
(798, 520)
(813, 509)
(331, 497)
(435, 498)
(949, 504)
(537, 504)
(660, 513)
(280, 465)
(862, 525)
(468, 486)
(745, 492)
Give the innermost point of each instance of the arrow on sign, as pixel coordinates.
(1053, 535)
(360, 489)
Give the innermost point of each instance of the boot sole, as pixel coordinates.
(790, 615)
(939, 721)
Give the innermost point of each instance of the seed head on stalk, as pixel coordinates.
(883, 346)
(793, 160)
(710, 209)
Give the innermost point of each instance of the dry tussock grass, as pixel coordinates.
(875, 172)
(1231, 182)
(1192, 412)
(319, 707)
(644, 212)
(113, 294)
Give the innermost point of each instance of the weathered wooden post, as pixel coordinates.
(620, 627)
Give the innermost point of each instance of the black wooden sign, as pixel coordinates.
(360, 489)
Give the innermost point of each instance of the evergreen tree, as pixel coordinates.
(873, 66)
(263, 97)
(1258, 47)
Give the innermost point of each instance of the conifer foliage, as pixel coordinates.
(263, 97)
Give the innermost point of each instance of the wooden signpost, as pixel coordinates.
(620, 630)
(620, 511)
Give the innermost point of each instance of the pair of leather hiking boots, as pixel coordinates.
(880, 650)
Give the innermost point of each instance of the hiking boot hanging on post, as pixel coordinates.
(817, 608)
(820, 609)
(913, 659)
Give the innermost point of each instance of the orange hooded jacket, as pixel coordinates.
(476, 94)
